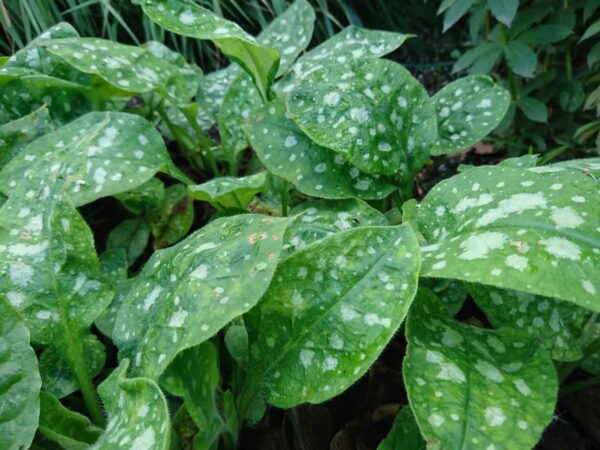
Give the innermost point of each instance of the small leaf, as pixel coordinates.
(288, 153)
(468, 110)
(534, 109)
(229, 192)
(328, 313)
(138, 413)
(145, 199)
(188, 292)
(504, 226)
(454, 11)
(472, 388)
(176, 217)
(19, 382)
(372, 112)
(546, 34)
(592, 30)
(405, 433)
(131, 236)
(504, 10)
(521, 58)
(114, 265)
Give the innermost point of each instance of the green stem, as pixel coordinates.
(570, 388)
(206, 144)
(284, 199)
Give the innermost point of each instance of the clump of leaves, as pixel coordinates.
(290, 284)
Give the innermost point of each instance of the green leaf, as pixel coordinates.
(557, 325)
(70, 430)
(188, 292)
(138, 413)
(18, 133)
(190, 19)
(288, 153)
(114, 264)
(454, 11)
(19, 382)
(505, 226)
(106, 321)
(592, 30)
(504, 10)
(200, 397)
(145, 199)
(102, 153)
(546, 34)
(58, 378)
(328, 313)
(521, 58)
(176, 217)
(127, 67)
(211, 94)
(130, 235)
(475, 388)
(321, 218)
(468, 109)
(229, 192)
(404, 434)
(351, 44)
(483, 56)
(372, 112)
(534, 109)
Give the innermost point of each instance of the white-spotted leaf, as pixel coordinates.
(229, 192)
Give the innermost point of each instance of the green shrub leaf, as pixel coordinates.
(229, 192)
(372, 112)
(405, 433)
(504, 10)
(531, 229)
(521, 59)
(475, 388)
(468, 109)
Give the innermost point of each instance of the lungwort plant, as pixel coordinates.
(293, 302)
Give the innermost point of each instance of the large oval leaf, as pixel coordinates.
(329, 312)
(475, 388)
(19, 382)
(188, 292)
(373, 112)
(468, 109)
(532, 229)
(288, 153)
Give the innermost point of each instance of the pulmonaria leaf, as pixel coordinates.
(229, 192)
(190, 19)
(145, 199)
(556, 324)
(405, 433)
(372, 112)
(351, 44)
(175, 218)
(18, 133)
(468, 109)
(19, 382)
(328, 313)
(211, 93)
(321, 218)
(200, 397)
(114, 265)
(508, 227)
(188, 292)
(68, 429)
(127, 67)
(131, 235)
(314, 170)
(475, 388)
(100, 154)
(138, 413)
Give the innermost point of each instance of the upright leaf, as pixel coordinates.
(405, 433)
(175, 218)
(504, 10)
(19, 382)
(229, 192)
(188, 292)
(328, 313)
(531, 229)
(372, 112)
(468, 109)
(475, 388)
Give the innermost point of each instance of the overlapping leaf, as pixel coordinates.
(188, 292)
(100, 154)
(19, 382)
(138, 413)
(229, 192)
(475, 388)
(468, 109)
(372, 112)
(532, 229)
(405, 433)
(329, 311)
(288, 153)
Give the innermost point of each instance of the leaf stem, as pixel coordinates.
(284, 199)
(570, 388)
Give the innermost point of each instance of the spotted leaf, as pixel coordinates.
(314, 170)
(372, 112)
(329, 312)
(533, 229)
(229, 192)
(475, 388)
(468, 109)
(100, 154)
(19, 382)
(190, 19)
(138, 413)
(556, 324)
(188, 292)
(175, 218)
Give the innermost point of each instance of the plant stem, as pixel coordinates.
(284, 199)
(205, 142)
(570, 388)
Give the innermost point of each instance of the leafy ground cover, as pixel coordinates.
(272, 256)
